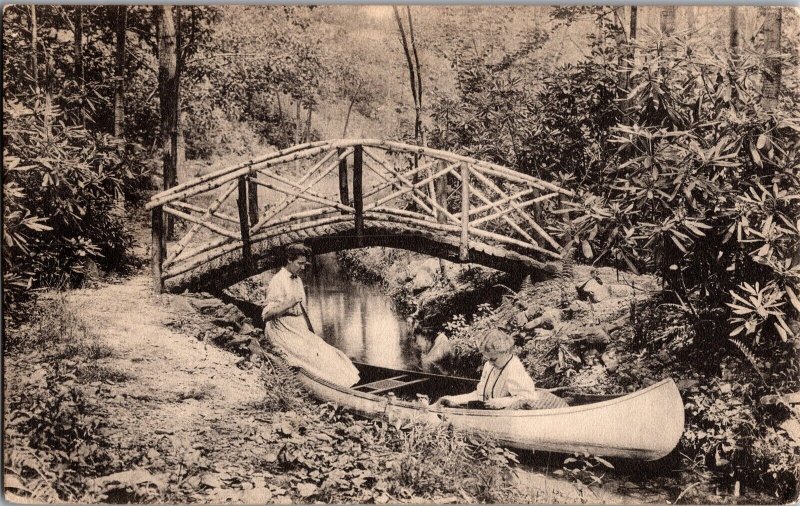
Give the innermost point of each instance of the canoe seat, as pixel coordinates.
(387, 384)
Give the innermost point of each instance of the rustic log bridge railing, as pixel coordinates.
(359, 193)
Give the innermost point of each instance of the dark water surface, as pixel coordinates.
(358, 319)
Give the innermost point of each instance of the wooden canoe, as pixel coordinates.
(645, 425)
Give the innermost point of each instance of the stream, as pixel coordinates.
(362, 321)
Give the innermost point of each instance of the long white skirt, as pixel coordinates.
(303, 348)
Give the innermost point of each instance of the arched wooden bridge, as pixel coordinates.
(341, 194)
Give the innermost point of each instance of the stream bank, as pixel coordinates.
(171, 404)
(608, 331)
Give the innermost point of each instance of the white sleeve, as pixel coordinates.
(276, 292)
(519, 382)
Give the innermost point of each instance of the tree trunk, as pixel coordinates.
(733, 29)
(770, 89)
(347, 117)
(632, 50)
(297, 122)
(119, 72)
(667, 25)
(418, 100)
(168, 95)
(411, 73)
(34, 45)
(79, 45)
(280, 108)
(307, 135)
(179, 147)
(667, 20)
(619, 28)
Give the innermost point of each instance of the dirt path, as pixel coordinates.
(179, 381)
(184, 402)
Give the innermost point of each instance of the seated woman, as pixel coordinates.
(504, 382)
(287, 326)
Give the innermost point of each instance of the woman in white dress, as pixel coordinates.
(504, 382)
(287, 326)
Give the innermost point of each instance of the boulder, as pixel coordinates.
(423, 274)
(609, 359)
(257, 495)
(549, 318)
(533, 310)
(441, 348)
(592, 290)
(520, 318)
(595, 335)
(206, 306)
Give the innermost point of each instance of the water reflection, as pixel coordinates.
(358, 319)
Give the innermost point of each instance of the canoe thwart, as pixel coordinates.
(387, 384)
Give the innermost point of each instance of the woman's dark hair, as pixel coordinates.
(295, 251)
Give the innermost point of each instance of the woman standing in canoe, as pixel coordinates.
(504, 382)
(286, 324)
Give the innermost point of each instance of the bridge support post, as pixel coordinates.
(463, 249)
(344, 194)
(252, 197)
(244, 221)
(358, 193)
(159, 248)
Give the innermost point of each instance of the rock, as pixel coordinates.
(533, 310)
(686, 384)
(520, 319)
(595, 335)
(223, 322)
(421, 281)
(248, 329)
(792, 428)
(725, 388)
(579, 306)
(257, 495)
(540, 335)
(549, 318)
(206, 306)
(441, 348)
(609, 359)
(211, 481)
(663, 356)
(592, 290)
(619, 290)
(193, 481)
(306, 489)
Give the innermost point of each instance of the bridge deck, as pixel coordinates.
(230, 268)
(354, 193)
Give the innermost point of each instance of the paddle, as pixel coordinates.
(308, 320)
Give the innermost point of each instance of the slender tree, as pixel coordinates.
(168, 95)
(733, 29)
(78, 29)
(418, 102)
(667, 25)
(34, 45)
(121, 13)
(412, 70)
(772, 48)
